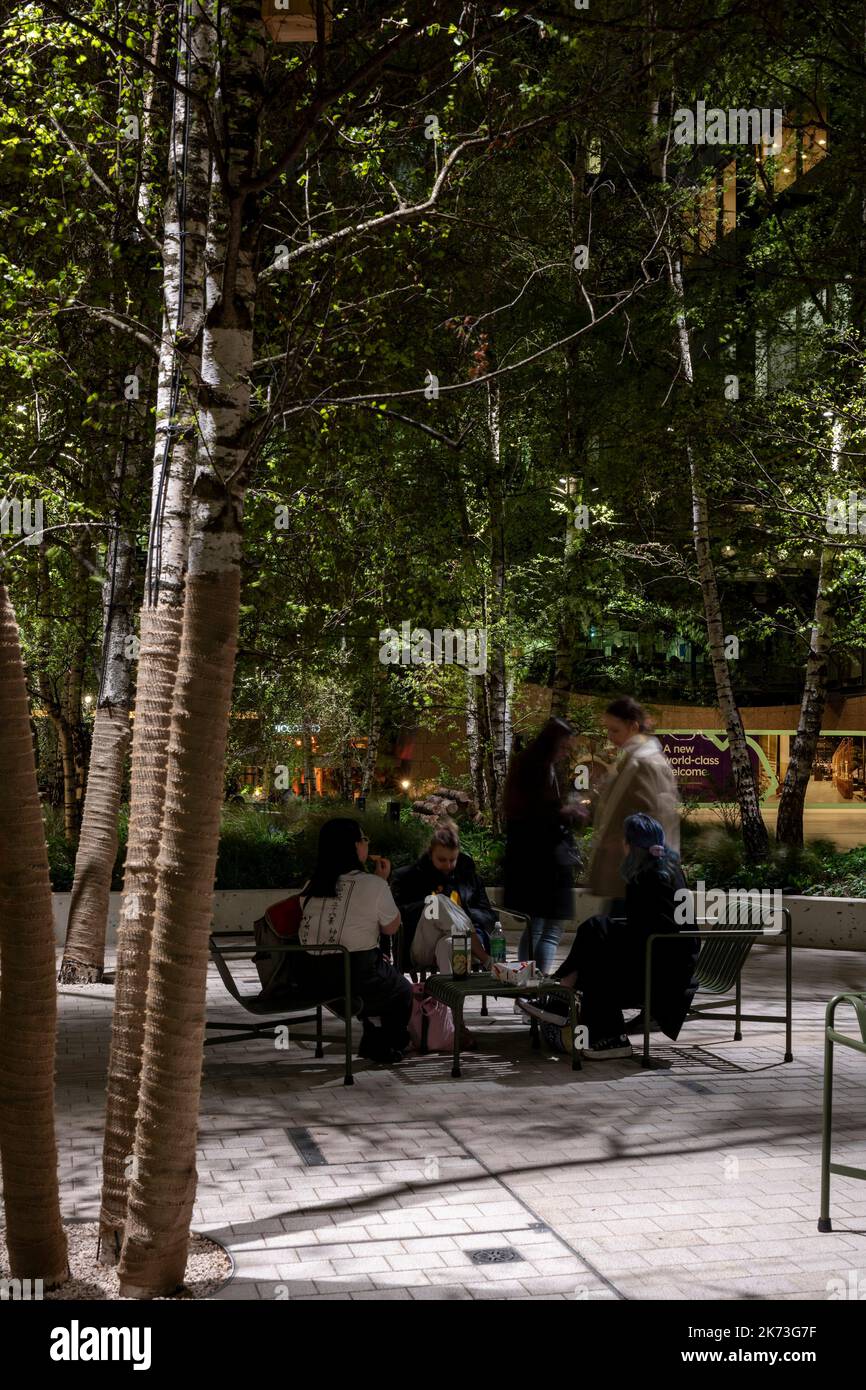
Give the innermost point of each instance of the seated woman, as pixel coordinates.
(345, 906)
(443, 868)
(608, 958)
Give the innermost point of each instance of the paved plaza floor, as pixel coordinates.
(695, 1180)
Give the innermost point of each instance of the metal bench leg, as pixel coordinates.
(647, 991)
(348, 1079)
(576, 1064)
(738, 1032)
(824, 1222)
(789, 1055)
(484, 1008)
(457, 1019)
(320, 1050)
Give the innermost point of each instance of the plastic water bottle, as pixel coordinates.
(497, 943)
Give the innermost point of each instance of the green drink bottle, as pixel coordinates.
(497, 943)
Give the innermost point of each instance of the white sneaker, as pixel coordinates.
(545, 1008)
(607, 1049)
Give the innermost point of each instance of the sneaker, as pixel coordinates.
(607, 1049)
(547, 1008)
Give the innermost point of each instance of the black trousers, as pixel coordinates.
(609, 958)
(384, 993)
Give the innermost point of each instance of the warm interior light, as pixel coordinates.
(405, 785)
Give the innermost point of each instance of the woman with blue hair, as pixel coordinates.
(607, 961)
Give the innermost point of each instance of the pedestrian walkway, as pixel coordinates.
(696, 1180)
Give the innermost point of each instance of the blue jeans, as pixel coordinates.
(546, 934)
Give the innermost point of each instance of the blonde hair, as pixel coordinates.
(446, 834)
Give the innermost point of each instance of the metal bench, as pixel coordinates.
(718, 970)
(831, 1037)
(278, 1012)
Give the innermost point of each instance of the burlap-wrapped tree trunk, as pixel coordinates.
(84, 953)
(28, 992)
(162, 1189)
(161, 616)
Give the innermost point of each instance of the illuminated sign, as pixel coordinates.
(702, 765)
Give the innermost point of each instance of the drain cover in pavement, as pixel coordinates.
(499, 1255)
(306, 1146)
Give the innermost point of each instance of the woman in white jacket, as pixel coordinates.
(641, 780)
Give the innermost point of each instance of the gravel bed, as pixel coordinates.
(208, 1268)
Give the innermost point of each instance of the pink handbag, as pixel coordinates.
(431, 1025)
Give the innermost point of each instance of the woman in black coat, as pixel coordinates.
(539, 848)
(443, 868)
(608, 959)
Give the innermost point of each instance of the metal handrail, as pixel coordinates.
(832, 1036)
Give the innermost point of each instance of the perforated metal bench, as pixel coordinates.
(718, 971)
(278, 1012)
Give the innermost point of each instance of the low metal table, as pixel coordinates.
(454, 993)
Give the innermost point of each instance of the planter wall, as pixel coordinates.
(834, 924)
(826, 923)
(233, 908)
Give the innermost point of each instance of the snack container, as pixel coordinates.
(514, 972)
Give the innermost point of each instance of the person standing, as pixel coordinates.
(641, 780)
(539, 848)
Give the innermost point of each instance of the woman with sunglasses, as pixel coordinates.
(344, 905)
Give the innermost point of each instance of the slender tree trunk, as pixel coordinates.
(755, 838)
(789, 825)
(67, 759)
(307, 754)
(560, 695)
(162, 1190)
(566, 631)
(474, 693)
(496, 680)
(161, 615)
(28, 994)
(84, 954)
(374, 733)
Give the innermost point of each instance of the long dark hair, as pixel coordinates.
(336, 854)
(528, 780)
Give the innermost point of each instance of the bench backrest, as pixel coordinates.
(720, 962)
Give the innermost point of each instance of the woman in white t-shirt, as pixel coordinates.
(343, 905)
